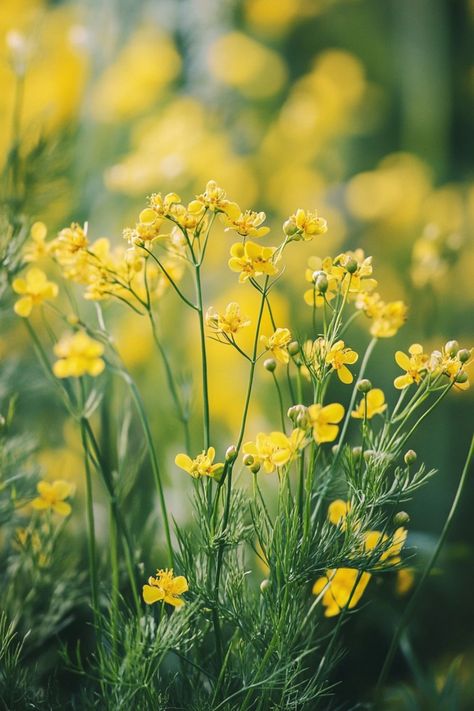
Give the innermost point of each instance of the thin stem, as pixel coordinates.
(416, 594)
(280, 402)
(90, 527)
(202, 334)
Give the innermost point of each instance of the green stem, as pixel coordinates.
(202, 334)
(416, 594)
(280, 402)
(90, 527)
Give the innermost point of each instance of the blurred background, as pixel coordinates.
(360, 108)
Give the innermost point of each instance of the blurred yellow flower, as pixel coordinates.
(201, 465)
(343, 587)
(405, 580)
(165, 587)
(251, 260)
(34, 288)
(387, 317)
(339, 357)
(414, 364)
(52, 495)
(277, 344)
(78, 355)
(38, 248)
(370, 405)
(316, 268)
(230, 322)
(337, 512)
(324, 421)
(393, 545)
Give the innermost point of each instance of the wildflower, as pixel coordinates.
(392, 547)
(451, 362)
(274, 450)
(78, 355)
(165, 587)
(251, 260)
(342, 587)
(414, 364)
(201, 465)
(304, 225)
(316, 268)
(277, 344)
(246, 224)
(52, 495)
(230, 322)
(355, 271)
(338, 356)
(162, 206)
(324, 421)
(34, 288)
(370, 405)
(388, 317)
(38, 248)
(337, 512)
(214, 197)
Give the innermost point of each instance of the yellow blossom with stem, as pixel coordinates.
(252, 260)
(339, 357)
(230, 322)
(78, 355)
(318, 267)
(324, 421)
(278, 343)
(373, 403)
(52, 496)
(214, 197)
(355, 271)
(163, 206)
(37, 249)
(246, 224)
(414, 365)
(34, 288)
(447, 362)
(387, 317)
(201, 465)
(165, 587)
(275, 450)
(304, 225)
(392, 545)
(340, 588)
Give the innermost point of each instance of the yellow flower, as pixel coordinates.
(246, 224)
(337, 512)
(448, 363)
(333, 276)
(52, 495)
(356, 271)
(391, 554)
(343, 586)
(304, 225)
(372, 404)
(165, 587)
(415, 366)
(338, 356)
(78, 355)
(277, 344)
(274, 450)
(162, 206)
(405, 580)
(230, 322)
(34, 288)
(38, 248)
(251, 260)
(214, 197)
(323, 421)
(201, 465)
(388, 317)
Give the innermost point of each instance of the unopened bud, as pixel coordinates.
(231, 453)
(335, 448)
(293, 348)
(289, 228)
(368, 454)
(410, 457)
(401, 518)
(296, 411)
(265, 585)
(321, 283)
(270, 364)
(302, 421)
(248, 460)
(255, 468)
(357, 452)
(363, 386)
(464, 355)
(461, 378)
(351, 265)
(451, 348)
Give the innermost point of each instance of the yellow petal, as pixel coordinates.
(180, 585)
(402, 360)
(152, 594)
(23, 306)
(333, 412)
(345, 375)
(62, 508)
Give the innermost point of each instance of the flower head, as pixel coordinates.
(304, 225)
(34, 288)
(78, 355)
(165, 587)
(341, 587)
(370, 405)
(337, 512)
(51, 496)
(414, 365)
(201, 465)
(324, 421)
(275, 450)
(214, 197)
(277, 344)
(387, 317)
(230, 322)
(246, 224)
(339, 357)
(392, 546)
(316, 267)
(251, 260)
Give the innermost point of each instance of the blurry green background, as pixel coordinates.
(361, 108)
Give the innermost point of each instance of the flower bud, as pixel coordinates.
(368, 454)
(265, 585)
(295, 411)
(357, 452)
(302, 421)
(293, 348)
(248, 460)
(461, 378)
(451, 348)
(410, 457)
(321, 283)
(401, 518)
(255, 468)
(364, 386)
(335, 449)
(231, 453)
(270, 364)
(290, 228)
(464, 355)
(351, 265)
